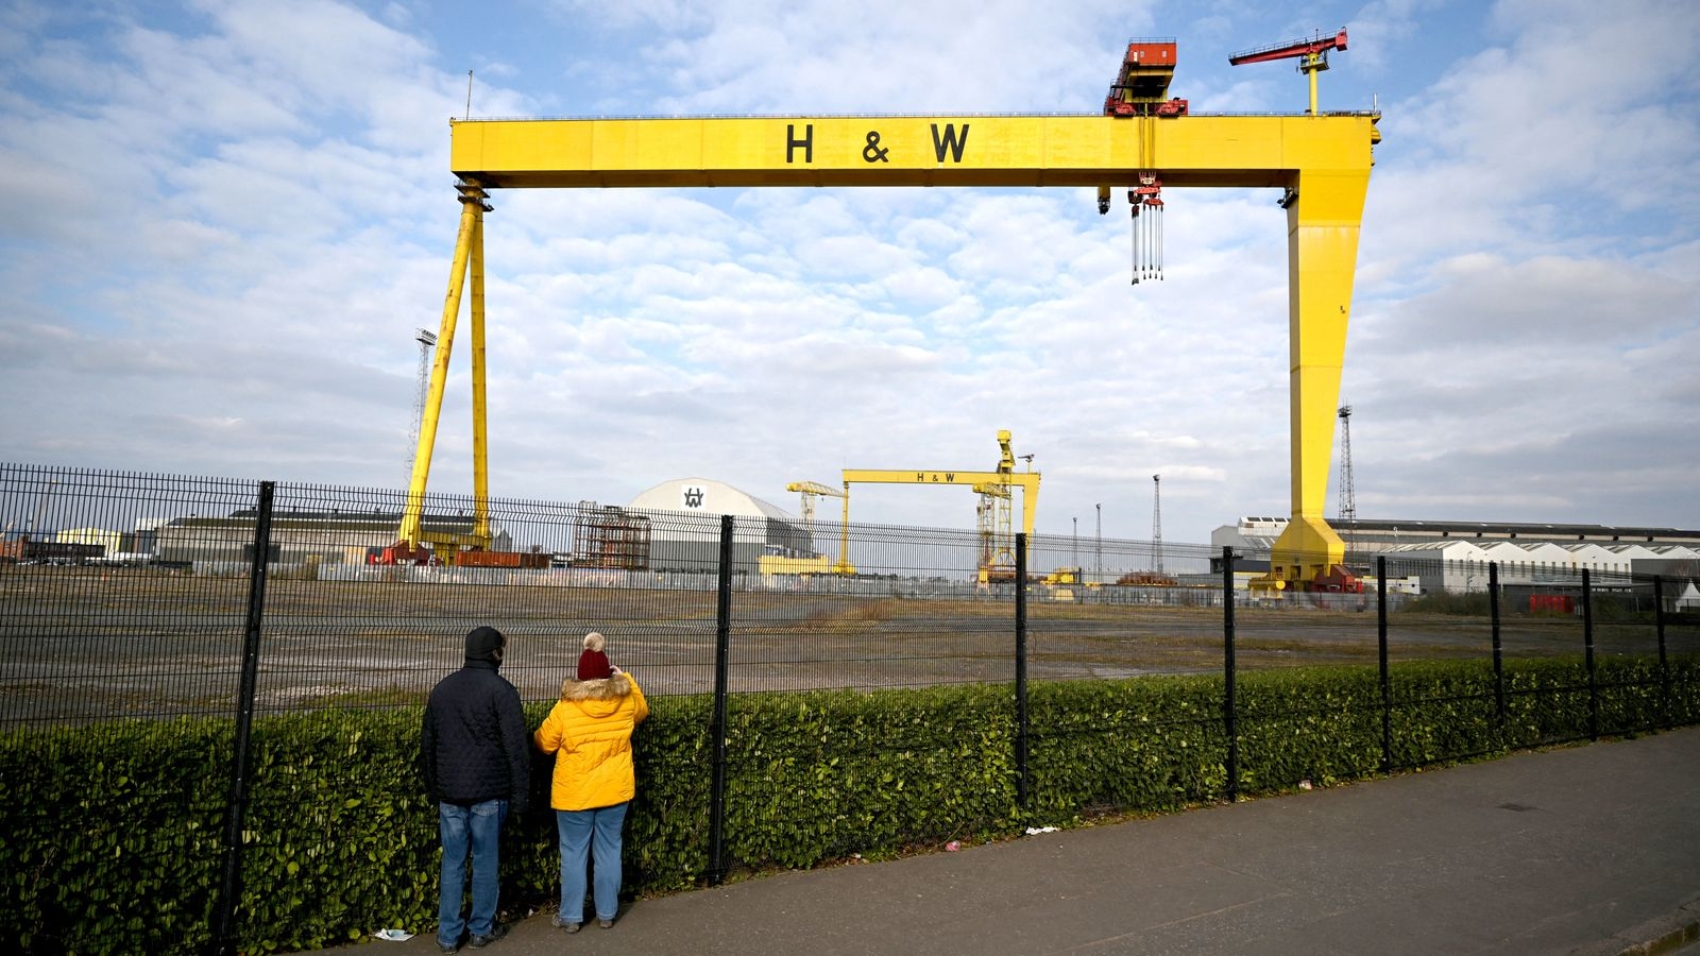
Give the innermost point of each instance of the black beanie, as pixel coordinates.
(482, 643)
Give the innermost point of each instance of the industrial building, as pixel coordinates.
(316, 537)
(683, 517)
(1454, 555)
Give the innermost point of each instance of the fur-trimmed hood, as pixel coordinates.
(609, 689)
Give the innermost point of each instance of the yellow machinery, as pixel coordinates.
(1320, 161)
(809, 491)
(814, 563)
(997, 541)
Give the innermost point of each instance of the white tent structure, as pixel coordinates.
(684, 526)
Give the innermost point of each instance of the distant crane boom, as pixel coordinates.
(810, 490)
(1311, 52)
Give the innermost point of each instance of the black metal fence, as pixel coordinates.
(157, 597)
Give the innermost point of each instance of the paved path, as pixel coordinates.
(1586, 850)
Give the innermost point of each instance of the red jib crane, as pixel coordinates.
(1312, 54)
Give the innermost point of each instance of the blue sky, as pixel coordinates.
(226, 218)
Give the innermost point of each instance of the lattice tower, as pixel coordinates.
(1157, 521)
(1348, 494)
(426, 339)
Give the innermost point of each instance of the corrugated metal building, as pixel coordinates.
(323, 537)
(1526, 553)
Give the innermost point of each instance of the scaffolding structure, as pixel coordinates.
(609, 538)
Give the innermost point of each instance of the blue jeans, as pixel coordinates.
(480, 825)
(578, 829)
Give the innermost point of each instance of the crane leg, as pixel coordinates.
(413, 515)
(480, 432)
(1322, 251)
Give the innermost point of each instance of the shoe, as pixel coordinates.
(497, 931)
(443, 947)
(563, 924)
(605, 923)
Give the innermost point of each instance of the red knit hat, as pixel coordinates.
(593, 664)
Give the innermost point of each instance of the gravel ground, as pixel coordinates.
(85, 642)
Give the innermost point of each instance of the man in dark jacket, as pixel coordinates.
(475, 753)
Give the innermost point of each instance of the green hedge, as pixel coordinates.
(111, 835)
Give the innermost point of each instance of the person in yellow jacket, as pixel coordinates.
(589, 730)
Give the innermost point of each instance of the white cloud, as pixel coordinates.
(227, 225)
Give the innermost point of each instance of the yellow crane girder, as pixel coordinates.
(1321, 162)
(995, 483)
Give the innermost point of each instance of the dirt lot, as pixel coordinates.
(86, 642)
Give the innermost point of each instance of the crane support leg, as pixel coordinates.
(480, 443)
(1322, 251)
(471, 235)
(844, 566)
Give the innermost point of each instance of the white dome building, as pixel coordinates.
(684, 526)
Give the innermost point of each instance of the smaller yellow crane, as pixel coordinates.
(810, 490)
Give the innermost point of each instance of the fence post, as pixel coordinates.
(1588, 643)
(1021, 670)
(237, 803)
(1386, 682)
(1664, 664)
(1498, 659)
(1228, 716)
(722, 650)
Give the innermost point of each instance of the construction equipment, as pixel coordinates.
(1064, 576)
(811, 562)
(997, 541)
(1321, 166)
(810, 490)
(401, 553)
(1141, 89)
(1338, 580)
(1142, 83)
(1312, 54)
(1147, 579)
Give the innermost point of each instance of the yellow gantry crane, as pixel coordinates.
(1319, 161)
(996, 487)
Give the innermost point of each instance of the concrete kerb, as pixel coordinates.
(1655, 937)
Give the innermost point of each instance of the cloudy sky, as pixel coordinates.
(225, 219)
